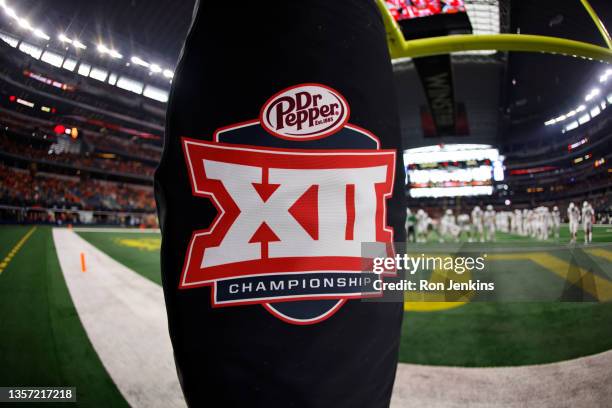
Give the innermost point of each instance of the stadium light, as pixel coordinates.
(584, 119)
(103, 49)
(573, 125)
(10, 12)
(605, 75)
(78, 44)
(168, 73)
(40, 34)
(593, 93)
(23, 23)
(75, 43)
(140, 61)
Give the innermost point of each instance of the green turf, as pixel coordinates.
(137, 251)
(42, 341)
(478, 333)
(505, 334)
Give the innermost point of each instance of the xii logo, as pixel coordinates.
(290, 221)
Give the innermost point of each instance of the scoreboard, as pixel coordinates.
(453, 170)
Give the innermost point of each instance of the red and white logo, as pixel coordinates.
(305, 112)
(286, 210)
(291, 221)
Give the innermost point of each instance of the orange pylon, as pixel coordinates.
(83, 267)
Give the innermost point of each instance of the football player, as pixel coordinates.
(556, 221)
(588, 219)
(477, 227)
(573, 215)
(489, 223)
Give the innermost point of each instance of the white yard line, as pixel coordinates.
(583, 382)
(125, 319)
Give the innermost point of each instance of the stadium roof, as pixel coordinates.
(131, 26)
(543, 86)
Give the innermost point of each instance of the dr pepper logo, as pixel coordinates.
(306, 111)
(293, 209)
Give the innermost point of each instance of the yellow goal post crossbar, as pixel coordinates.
(400, 48)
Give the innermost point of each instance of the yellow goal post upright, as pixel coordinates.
(400, 48)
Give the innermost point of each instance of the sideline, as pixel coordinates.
(124, 316)
(8, 258)
(579, 383)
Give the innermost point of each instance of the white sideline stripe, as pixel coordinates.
(124, 316)
(118, 229)
(582, 382)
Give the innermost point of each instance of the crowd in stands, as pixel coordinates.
(25, 189)
(116, 144)
(116, 165)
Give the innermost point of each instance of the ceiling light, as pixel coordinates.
(10, 12)
(593, 93)
(155, 68)
(24, 23)
(78, 44)
(139, 61)
(63, 38)
(168, 73)
(40, 34)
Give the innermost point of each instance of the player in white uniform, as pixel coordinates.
(477, 227)
(517, 224)
(573, 215)
(463, 221)
(501, 221)
(532, 223)
(556, 222)
(489, 224)
(588, 218)
(448, 227)
(525, 222)
(541, 223)
(422, 223)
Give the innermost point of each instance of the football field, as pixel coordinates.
(52, 320)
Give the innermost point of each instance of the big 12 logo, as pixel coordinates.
(297, 192)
